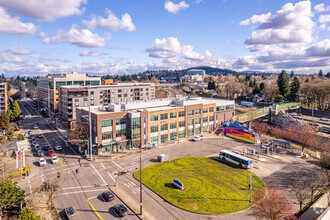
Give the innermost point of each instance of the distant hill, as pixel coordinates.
(213, 71)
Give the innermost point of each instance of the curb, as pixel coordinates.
(124, 203)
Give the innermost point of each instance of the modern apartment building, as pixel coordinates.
(3, 97)
(72, 97)
(48, 87)
(137, 123)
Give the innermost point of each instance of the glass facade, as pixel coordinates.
(173, 115)
(181, 124)
(121, 132)
(164, 116)
(134, 131)
(211, 109)
(107, 123)
(204, 110)
(153, 117)
(173, 125)
(191, 122)
(120, 121)
(190, 112)
(173, 136)
(78, 83)
(154, 139)
(205, 128)
(205, 119)
(164, 138)
(107, 135)
(197, 111)
(154, 129)
(181, 134)
(181, 113)
(164, 127)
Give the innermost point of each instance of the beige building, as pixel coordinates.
(48, 88)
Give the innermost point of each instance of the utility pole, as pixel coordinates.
(313, 109)
(48, 101)
(90, 125)
(250, 186)
(141, 182)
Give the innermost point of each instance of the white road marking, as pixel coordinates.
(126, 185)
(42, 178)
(99, 175)
(111, 177)
(63, 170)
(30, 186)
(102, 165)
(75, 187)
(117, 165)
(85, 191)
(93, 197)
(133, 183)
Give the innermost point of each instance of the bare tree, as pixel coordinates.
(324, 163)
(315, 183)
(273, 206)
(300, 190)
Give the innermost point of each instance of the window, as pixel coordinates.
(205, 128)
(164, 138)
(120, 132)
(198, 130)
(173, 125)
(154, 129)
(85, 99)
(197, 121)
(76, 104)
(119, 90)
(204, 110)
(153, 117)
(92, 97)
(197, 111)
(173, 136)
(107, 135)
(119, 95)
(181, 114)
(154, 139)
(107, 123)
(190, 112)
(173, 115)
(181, 124)
(92, 93)
(181, 134)
(191, 122)
(120, 121)
(229, 106)
(190, 131)
(125, 90)
(211, 118)
(218, 108)
(164, 127)
(164, 116)
(76, 100)
(211, 109)
(205, 119)
(112, 90)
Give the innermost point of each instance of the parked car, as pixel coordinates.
(70, 212)
(54, 159)
(40, 136)
(120, 210)
(35, 127)
(108, 196)
(198, 138)
(58, 147)
(50, 153)
(324, 119)
(42, 162)
(47, 148)
(37, 146)
(40, 153)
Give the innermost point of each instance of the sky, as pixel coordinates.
(39, 37)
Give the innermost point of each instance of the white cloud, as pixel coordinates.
(188, 53)
(19, 51)
(81, 38)
(323, 27)
(44, 10)
(198, 1)
(92, 53)
(111, 23)
(319, 49)
(321, 8)
(13, 25)
(175, 8)
(291, 24)
(263, 18)
(164, 48)
(324, 18)
(5, 57)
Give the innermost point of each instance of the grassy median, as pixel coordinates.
(211, 186)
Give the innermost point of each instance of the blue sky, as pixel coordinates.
(130, 36)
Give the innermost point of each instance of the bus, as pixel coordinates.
(236, 159)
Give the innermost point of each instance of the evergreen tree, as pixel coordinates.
(4, 121)
(10, 193)
(307, 80)
(28, 214)
(283, 83)
(292, 74)
(16, 111)
(251, 84)
(254, 82)
(328, 75)
(262, 86)
(247, 78)
(211, 85)
(294, 88)
(320, 73)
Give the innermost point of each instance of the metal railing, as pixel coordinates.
(262, 112)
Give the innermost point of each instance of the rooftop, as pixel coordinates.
(109, 86)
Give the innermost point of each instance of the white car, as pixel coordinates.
(35, 126)
(54, 159)
(198, 138)
(42, 162)
(58, 147)
(324, 119)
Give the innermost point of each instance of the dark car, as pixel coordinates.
(70, 212)
(39, 135)
(108, 196)
(120, 210)
(47, 148)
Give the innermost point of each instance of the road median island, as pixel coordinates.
(212, 187)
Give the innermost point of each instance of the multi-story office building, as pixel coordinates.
(3, 97)
(137, 123)
(72, 97)
(48, 87)
(196, 74)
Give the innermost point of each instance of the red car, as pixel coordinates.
(51, 153)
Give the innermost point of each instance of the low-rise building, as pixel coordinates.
(72, 97)
(132, 124)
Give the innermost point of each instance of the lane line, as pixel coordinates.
(74, 187)
(111, 177)
(30, 186)
(117, 165)
(85, 191)
(102, 165)
(98, 215)
(99, 175)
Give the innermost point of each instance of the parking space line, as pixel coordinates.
(99, 174)
(117, 165)
(102, 165)
(51, 147)
(111, 177)
(82, 191)
(98, 215)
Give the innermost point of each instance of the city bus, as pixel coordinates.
(236, 159)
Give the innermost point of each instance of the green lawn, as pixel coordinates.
(225, 187)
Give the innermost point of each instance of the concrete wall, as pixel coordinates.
(317, 208)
